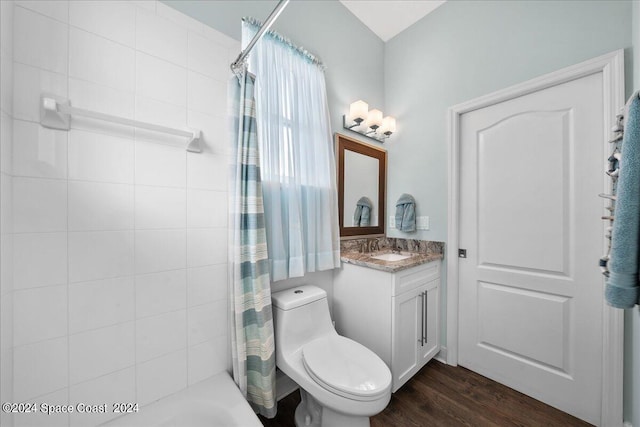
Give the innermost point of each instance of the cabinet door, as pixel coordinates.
(431, 328)
(407, 317)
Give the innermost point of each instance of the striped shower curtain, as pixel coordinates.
(251, 318)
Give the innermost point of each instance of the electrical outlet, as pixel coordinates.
(422, 223)
(392, 222)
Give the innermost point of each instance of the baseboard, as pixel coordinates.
(627, 424)
(442, 355)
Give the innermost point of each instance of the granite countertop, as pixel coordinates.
(366, 260)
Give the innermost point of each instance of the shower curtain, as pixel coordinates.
(251, 318)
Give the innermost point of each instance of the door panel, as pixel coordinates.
(516, 321)
(530, 287)
(510, 155)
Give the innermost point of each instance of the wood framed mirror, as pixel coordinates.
(362, 180)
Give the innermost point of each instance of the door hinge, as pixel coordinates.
(462, 253)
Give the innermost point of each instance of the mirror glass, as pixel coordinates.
(360, 190)
(361, 187)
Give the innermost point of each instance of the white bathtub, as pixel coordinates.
(212, 402)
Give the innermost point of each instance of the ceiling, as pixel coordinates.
(387, 18)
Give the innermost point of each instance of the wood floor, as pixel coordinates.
(443, 395)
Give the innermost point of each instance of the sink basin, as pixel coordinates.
(391, 257)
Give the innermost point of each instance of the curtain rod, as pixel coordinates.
(237, 64)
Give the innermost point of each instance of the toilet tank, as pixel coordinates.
(301, 314)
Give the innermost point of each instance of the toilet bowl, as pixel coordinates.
(342, 382)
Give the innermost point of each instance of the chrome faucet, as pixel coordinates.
(369, 245)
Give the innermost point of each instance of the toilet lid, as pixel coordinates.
(346, 367)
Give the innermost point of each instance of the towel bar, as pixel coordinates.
(55, 113)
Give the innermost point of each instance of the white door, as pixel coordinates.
(530, 307)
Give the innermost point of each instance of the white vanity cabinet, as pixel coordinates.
(394, 314)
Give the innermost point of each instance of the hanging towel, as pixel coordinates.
(623, 289)
(362, 215)
(406, 213)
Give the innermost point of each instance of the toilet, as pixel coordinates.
(342, 383)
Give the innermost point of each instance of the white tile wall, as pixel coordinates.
(45, 48)
(127, 230)
(160, 165)
(6, 290)
(213, 141)
(207, 321)
(28, 83)
(56, 9)
(42, 419)
(160, 250)
(103, 99)
(160, 335)
(206, 246)
(202, 93)
(202, 54)
(101, 303)
(98, 60)
(100, 206)
(161, 37)
(50, 304)
(6, 198)
(100, 157)
(100, 255)
(101, 351)
(48, 251)
(6, 136)
(40, 368)
(160, 80)
(206, 208)
(207, 358)
(39, 205)
(161, 376)
(158, 293)
(114, 20)
(160, 207)
(6, 80)
(6, 209)
(116, 387)
(6, 30)
(207, 172)
(179, 18)
(39, 151)
(206, 284)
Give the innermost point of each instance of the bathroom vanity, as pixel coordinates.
(392, 308)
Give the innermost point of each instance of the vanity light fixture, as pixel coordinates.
(369, 123)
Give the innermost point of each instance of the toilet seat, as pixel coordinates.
(346, 368)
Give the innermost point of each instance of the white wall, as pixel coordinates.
(120, 235)
(6, 223)
(632, 316)
(465, 49)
